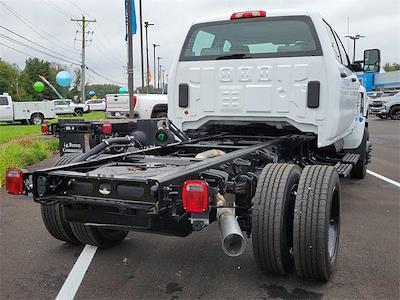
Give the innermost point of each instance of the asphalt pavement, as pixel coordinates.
(34, 265)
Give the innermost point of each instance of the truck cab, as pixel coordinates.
(285, 68)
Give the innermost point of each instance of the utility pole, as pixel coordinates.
(158, 71)
(141, 41)
(146, 26)
(154, 59)
(130, 61)
(163, 82)
(355, 38)
(83, 64)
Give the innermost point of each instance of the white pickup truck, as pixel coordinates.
(26, 112)
(386, 106)
(68, 107)
(146, 105)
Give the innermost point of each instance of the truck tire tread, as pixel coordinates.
(311, 219)
(270, 212)
(52, 213)
(98, 236)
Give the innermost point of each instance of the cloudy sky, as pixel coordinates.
(47, 22)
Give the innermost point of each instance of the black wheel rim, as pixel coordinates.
(334, 225)
(396, 113)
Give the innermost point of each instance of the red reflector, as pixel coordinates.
(134, 100)
(195, 196)
(106, 128)
(45, 128)
(249, 14)
(14, 181)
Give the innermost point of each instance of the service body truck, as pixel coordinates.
(146, 105)
(27, 112)
(264, 115)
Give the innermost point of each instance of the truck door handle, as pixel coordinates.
(343, 74)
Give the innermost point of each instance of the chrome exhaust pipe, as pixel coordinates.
(233, 242)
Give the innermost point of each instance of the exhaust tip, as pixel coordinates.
(234, 244)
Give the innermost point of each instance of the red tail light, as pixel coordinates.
(106, 128)
(134, 100)
(15, 181)
(249, 14)
(195, 196)
(45, 128)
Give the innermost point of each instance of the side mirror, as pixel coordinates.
(372, 60)
(356, 67)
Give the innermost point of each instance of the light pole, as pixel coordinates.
(163, 82)
(154, 74)
(146, 25)
(141, 41)
(355, 38)
(158, 70)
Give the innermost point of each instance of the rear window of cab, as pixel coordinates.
(252, 38)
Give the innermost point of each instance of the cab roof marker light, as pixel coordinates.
(249, 14)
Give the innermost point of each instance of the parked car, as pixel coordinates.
(96, 104)
(26, 112)
(386, 106)
(146, 105)
(66, 107)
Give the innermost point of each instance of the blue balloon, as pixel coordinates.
(122, 90)
(64, 79)
(92, 93)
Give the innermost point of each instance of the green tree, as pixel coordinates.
(10, 80)
(102, 89)
(390, 67)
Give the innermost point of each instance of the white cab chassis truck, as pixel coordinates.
(265, 114)
(26, 112)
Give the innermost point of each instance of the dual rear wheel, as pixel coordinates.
(75, 233)
(296, 220)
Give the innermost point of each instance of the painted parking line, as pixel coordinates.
(74, 279)
(391, 181)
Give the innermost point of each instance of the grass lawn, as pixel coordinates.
(23, 145)
(12, 131)
(25, 151)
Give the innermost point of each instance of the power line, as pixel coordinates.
(38, 50)
(48, 49)
(17, 50)
(56, 8)
(90, 69)
(104, 77)
(26, 22)
(80, 9)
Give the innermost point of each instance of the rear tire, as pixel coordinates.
(36, 119)
(52, 214)
(78, 112)
(394, 112)
(316, 225)
(272, 219)
(100, 237)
